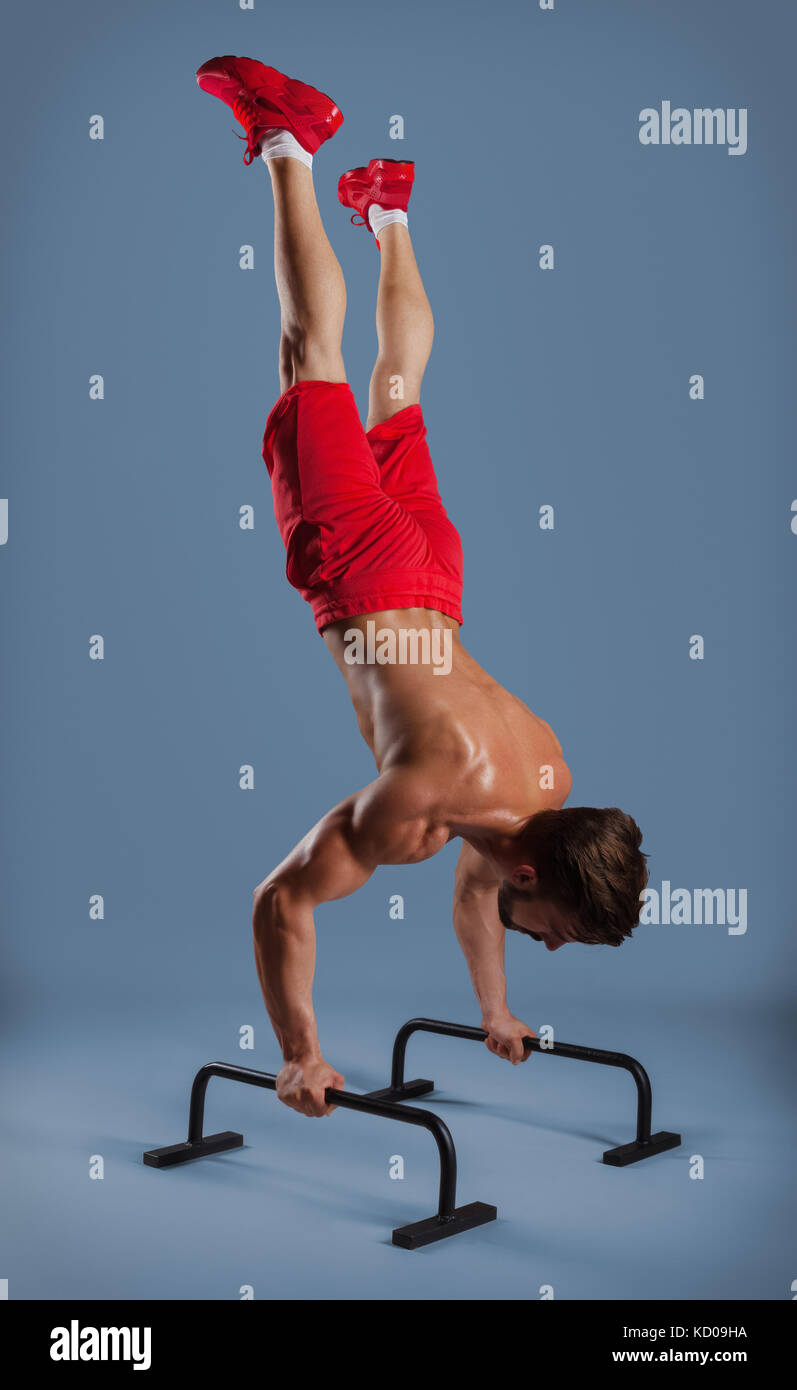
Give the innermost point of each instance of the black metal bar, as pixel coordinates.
(196, 1107)
(644, 1144)
(425, 1025)
(449, 1219)
(610, 1059)
(426, 1120)
(388, 1110)
(582, 1054)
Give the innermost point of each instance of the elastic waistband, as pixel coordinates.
(299, 388)
(409, 417)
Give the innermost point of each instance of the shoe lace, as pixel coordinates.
(363, 222)
(245, 112)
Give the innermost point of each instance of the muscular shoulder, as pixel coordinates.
(475, 875)
(399, 816)
(543, 757)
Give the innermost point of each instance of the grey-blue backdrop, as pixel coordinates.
(568, 387)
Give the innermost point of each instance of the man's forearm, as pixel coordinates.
(482, 937)
(284, 938)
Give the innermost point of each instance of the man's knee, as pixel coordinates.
(311, 353)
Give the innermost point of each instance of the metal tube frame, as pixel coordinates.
(448, 1220)
(644, 1146)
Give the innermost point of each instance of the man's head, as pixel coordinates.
(578, 876)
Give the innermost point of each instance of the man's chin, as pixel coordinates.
(524, 931)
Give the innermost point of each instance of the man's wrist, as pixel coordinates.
(300, 1049)
(491, 1017)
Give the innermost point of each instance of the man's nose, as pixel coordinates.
(553, 945)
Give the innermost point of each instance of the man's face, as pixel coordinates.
(529, 913)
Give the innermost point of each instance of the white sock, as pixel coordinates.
(281, 144)
(382, 217)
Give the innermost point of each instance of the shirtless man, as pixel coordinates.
(368, 541)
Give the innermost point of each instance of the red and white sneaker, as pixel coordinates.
(387, 182)
(264, 99)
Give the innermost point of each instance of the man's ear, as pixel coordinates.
(524, 877)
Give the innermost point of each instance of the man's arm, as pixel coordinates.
(387, 822)
(482, 937)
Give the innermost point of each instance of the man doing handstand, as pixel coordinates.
(372, 550)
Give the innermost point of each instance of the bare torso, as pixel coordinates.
(491, 762)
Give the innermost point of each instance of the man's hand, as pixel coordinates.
(302, 1085)
(505, 1038)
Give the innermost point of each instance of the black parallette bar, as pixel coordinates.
(231, 1072)
(631, 1153)
(389, 1110)
(449, 1218)
(426, 1232)
(182, 1153)
(643, 1147)
(410, 1091)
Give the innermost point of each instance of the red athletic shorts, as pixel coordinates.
(359, 514)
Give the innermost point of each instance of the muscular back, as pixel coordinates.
(479, 752)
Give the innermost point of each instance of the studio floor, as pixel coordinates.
(305, 1210)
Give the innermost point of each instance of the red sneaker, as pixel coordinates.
(264, 99)
(387, 182)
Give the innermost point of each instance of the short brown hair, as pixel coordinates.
(590, 864)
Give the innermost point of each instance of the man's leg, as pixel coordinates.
(404, 326)
(310, 284)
